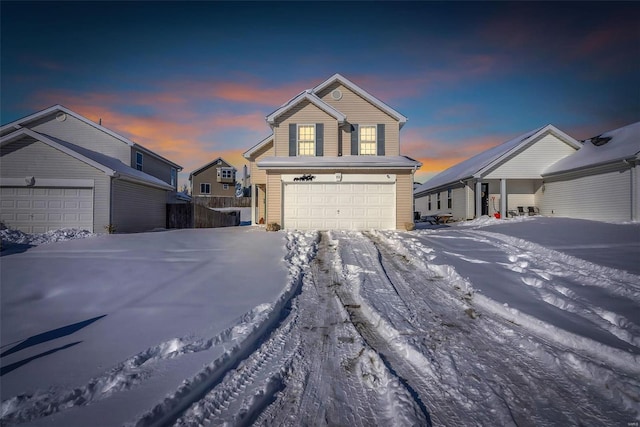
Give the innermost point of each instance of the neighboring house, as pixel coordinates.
(59, 169)
(497, 180)
(600, 181)
(332, 162)
(216, 178)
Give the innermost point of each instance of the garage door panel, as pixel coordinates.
(339, 206)
(41, 209)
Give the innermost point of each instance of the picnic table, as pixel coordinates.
(437, 218)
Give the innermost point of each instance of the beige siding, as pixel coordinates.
(531, 162)
(274, 198)
(83, 135)
(153, 166)
(404, 200)
(27, 157)
(137, 207)
(210, 175)
(259, 176)
(307, 114)
(360, 111)
(605, 196)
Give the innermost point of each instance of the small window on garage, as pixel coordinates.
(205, 188)
(139, 160)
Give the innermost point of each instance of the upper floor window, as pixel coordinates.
(139, 160)
(174, 177)
(225, 186)
(306, 140)
(205, 188)
(368, 140)
(227, 173)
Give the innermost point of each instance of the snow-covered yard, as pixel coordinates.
(534, 321)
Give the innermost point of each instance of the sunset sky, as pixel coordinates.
(195, 80)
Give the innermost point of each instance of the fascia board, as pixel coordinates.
(363, 93)
(247, 154)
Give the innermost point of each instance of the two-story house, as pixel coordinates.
(333, 162)
(59, 169)
(216, 178)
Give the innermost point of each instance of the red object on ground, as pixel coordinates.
(497, 215)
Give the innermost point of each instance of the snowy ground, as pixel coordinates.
(534, 321)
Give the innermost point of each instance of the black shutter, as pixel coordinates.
(319, 139)
(293, 139)
(380, 135)
(354, 140)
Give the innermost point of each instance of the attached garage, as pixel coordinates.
(339, 201)
(42, 209)
(351, 206)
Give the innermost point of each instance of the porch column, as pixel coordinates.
(254, 190)
(503, 198)
(478, 199)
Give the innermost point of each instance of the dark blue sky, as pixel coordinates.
(194, 80)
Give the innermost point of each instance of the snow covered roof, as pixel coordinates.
(613, 146)
(478, 164)
(219, 159)
(109, 165)
(307, 95)
(17, 124)
(247, 154)
(342, 162)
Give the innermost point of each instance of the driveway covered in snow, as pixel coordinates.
(483, 323)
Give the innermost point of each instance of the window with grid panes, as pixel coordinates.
(367, 140)
(306, 140)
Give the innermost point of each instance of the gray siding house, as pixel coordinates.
(595, 179)
(497, 180)
(59, 169)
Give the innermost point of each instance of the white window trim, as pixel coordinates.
(141, 160)
(204, 192)
(375, 143)
(225, 186)
(315, 139)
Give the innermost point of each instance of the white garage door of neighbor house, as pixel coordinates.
(339, 206)
(42, 209)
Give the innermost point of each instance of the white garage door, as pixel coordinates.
(41, 209)
(339, 206)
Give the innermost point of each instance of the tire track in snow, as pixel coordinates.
(565, 377)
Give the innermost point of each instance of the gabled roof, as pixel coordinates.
(363, 93)
(311, 96)
(307, 95)
(476, 166)
(219, 159)
(247, 154)
(341, 162)
(610, 147)
(17, 124)
(109, 165)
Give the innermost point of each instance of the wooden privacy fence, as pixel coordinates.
(180, 215)
(223, 202)
(203, 217)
